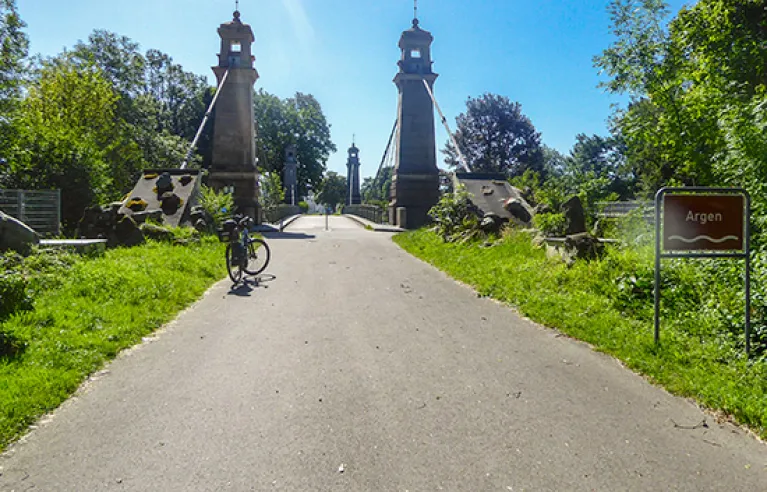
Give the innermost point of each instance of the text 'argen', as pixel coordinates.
(703, 218)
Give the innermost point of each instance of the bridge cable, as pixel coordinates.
(386, 155)
(461, 158)
(204, 120)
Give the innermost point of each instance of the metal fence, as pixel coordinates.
(613, 210)
(369, 212)
(40, 210)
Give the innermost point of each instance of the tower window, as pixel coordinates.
(415, 53)
(236, 47)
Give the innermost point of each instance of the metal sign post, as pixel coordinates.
(702, 222)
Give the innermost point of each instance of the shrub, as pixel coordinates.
(13, 294)
(303, 206)
(456, 218)
(9, 345)
(218, 205)
(550, 224)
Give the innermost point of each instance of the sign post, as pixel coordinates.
(703, 223)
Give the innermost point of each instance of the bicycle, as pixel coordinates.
(243, 253)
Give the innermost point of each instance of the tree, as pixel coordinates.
(494, 136)
(333, 189)
(378, 188)
(689, 79)
(13, 51)
(161, 104)
(65, 129)
(272, 192)
(298, 120)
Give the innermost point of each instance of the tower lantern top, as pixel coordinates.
(353, 150)
(415, 44)
(236, 44)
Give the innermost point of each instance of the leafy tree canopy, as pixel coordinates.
(13, 51)
(377, 189)
(494, 136)
(333, 189)
(64, 133)
(298, 120)
(697, 84)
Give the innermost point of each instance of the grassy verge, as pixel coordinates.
(608, 303)
(89, 310)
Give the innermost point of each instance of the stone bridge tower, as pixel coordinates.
(290, 178)
(415, 184)
(233, 163)
(353, 176)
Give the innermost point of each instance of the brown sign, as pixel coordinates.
(703, 222)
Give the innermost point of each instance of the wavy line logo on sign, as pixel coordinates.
(703, 222)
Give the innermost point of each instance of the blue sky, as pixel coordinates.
(344, 52)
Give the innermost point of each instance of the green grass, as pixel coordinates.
(608, 303)
(90, 311)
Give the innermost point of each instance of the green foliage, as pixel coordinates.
(160, 104)
(494, 136)
(594, 170)
(93, 117)
(13, 294)
(64, 131)
(13, 51)
(303, 206)
(272, 192)
(218, 205)
(333, 189)
(94, 309)
(697, 93)
(550, 224)
(456, 218)
(377, 189)
(297, 120)
(23, 279)
(608, 303)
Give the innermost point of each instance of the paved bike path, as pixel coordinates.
(358, 367)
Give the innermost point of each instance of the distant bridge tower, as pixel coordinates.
(415, 184)
(233, 163)
(290, 178)
(353, 177)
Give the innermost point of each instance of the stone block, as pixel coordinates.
(16, 235)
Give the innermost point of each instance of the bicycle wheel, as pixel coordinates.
(258, 256)
(233, 267)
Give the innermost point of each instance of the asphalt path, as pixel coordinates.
(352, 366)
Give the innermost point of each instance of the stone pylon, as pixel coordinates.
(415, 184)
(290, 178)
(233, 163)
(353, 176)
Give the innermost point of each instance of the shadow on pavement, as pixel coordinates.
(288, 235)
(244, 288)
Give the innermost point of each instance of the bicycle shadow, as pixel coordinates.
(248, 285)
(288, 235)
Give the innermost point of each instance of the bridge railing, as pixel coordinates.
(614, 210)
(40, 210)
(368, 212)
(276, 214)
